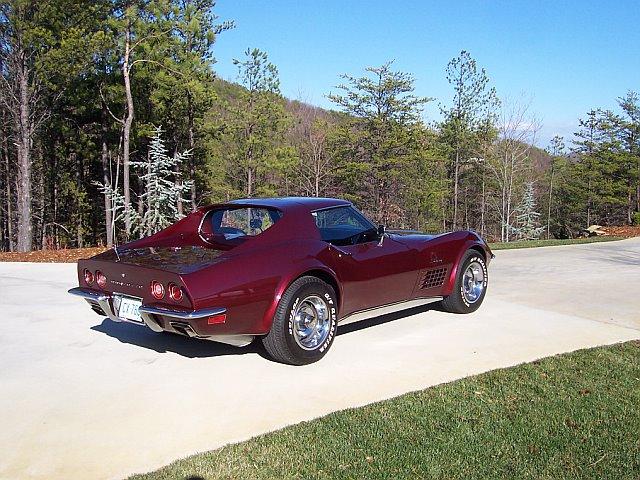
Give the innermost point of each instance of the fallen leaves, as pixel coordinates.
(51, 256)
(623, 231)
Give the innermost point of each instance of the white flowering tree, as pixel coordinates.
(527, 219)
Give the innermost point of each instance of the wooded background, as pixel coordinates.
(85, 86)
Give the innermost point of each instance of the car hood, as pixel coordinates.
(181, 260)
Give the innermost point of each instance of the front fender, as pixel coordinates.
(471, 241)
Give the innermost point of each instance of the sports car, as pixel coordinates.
(284, 270)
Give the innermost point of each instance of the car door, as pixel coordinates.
(373, 271)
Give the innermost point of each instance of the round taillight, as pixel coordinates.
(175, 292)
(88, 277)
(157, 290)
(101, 279)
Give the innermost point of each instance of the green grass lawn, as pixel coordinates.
(571, 416)
(549, 243)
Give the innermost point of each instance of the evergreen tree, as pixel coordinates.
(162, 194)
(468, 122)
(380, 140)
(527, 218)
(250, 140)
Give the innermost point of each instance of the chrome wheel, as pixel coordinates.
(473, 282)
(311, 322)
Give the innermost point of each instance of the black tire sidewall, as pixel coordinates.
(324, 291)
(471, 256)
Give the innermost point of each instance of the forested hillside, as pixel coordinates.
(112, 122)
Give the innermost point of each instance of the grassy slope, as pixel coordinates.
(550, 243)
(572, 416)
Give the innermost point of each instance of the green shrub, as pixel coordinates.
(636, 218)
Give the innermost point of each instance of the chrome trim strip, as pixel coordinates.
(102, 299)
(386, 309)
(88, 294)
(235, 340)
(181, 314)
(204, 215)
(146, 312)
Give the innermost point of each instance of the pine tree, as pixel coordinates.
(528, 226)
(468, 123)
(380, 141)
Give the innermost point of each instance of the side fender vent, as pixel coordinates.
(434, 277)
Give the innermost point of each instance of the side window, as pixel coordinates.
(342, 225)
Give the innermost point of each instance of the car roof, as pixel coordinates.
(288, 203)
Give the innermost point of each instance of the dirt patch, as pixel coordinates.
(626, 231)
(51, 256)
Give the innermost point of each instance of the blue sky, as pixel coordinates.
(566, 56)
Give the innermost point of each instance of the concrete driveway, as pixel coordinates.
(82, 397)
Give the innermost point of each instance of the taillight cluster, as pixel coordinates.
(97, 277)
(158, 291)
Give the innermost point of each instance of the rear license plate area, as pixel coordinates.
(126, 308)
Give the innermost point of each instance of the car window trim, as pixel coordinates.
(237, 207)
(347, 205)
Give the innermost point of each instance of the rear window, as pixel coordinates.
(233, 223)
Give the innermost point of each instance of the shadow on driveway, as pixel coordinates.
(389, 317)
(141, 336)
(164, 342)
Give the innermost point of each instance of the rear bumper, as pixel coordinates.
(161, 319)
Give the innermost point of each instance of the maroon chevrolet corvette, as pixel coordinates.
(287, 270)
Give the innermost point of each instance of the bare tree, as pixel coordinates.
(556, 149)
(310, 136)
(517, 133)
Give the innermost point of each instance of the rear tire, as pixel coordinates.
(470, 286)
(304, 324)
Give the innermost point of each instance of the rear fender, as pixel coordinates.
(311, 267)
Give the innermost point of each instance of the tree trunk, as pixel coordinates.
(126, 133)
(249, 182)
(483, 207)
(41, 227)
(4, 180)
(179, 181)
(589, 204)
(106, 177)
(638, 188)
(630, 206)
(23, 189)
(80, 181)
(7, 186)
(456, 172)
(191, 159)
(550, 202)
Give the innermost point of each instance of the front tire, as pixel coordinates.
(470, 286)
(304, 324)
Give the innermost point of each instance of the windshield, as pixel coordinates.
(231, 225)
